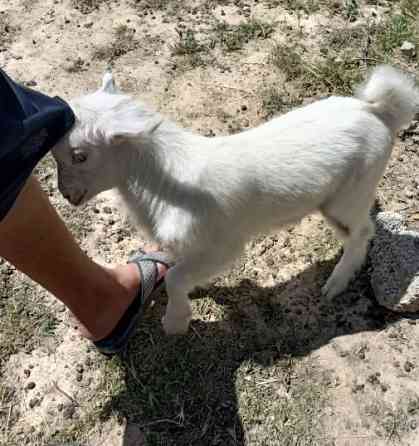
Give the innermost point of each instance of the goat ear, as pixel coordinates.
(124, 130)
(108, 84)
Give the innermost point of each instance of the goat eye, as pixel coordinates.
(78, 156)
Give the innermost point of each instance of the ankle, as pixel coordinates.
(116, 294)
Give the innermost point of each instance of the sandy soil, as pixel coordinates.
(60, 386)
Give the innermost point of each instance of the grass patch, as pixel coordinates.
(288, 60)
(331, 76)
(345, 39)
(297, 395)
(351, 10)
(87, 6)
(307, 6)
(410, 8)
(325, 75)
(187, 44)
(25, 319)
(219, 384)
(196, 51)
(276, 101)
(124, 41)
(234, 37)
(8, 413)
(190, 48)
(339, 66)
(395, 421)
(394, 32)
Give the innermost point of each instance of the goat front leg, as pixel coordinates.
(179, 310)
(185, 276)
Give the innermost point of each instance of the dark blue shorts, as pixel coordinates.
(31, 123)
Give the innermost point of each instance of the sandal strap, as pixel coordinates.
(148, 268)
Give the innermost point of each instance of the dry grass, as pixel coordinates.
(123, 42)
(87, 6)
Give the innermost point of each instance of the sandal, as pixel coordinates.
(150, 286)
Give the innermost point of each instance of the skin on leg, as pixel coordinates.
(35, 240)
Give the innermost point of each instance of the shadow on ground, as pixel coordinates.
(185, 391)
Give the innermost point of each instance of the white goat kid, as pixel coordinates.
(203, 198)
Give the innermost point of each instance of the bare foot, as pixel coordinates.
(128, 277)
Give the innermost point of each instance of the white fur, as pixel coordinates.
(204, 198)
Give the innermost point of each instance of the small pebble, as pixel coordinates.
(384, 387)
(27, 372)
(373, 379)
(358, 386)
(408, 366)
(34, 402)
(31, 385)
(79, 368)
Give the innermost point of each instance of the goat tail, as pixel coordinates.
(391, 95)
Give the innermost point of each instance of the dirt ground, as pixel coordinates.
(267, 361)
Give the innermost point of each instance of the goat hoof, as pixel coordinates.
(175, 326)
(332, 289)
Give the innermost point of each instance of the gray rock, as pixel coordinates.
(408, 48)
(34, 402)
(394, 256)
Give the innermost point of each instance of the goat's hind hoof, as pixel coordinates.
(175, 326)
(332, 288)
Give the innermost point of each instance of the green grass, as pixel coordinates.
(25, 319)
(190, 49)
(308, 6)
(351, 9)
(187, 43)
(394, 32)
(327, 75)
(197, 50)
(321, 75)
(234, 37)
(339, 66)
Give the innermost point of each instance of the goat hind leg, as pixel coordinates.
(352, 259)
